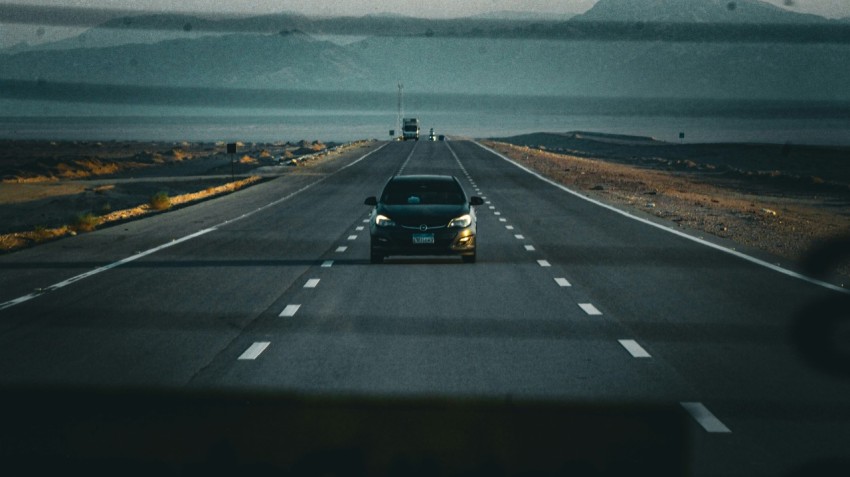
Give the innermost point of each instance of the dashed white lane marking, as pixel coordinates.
(519, 237)
(312, 283)
(365, 221)
(487, 202)
(562, 282)
(359, 228)
(543, 263)
(254, 350)
(503, 220)
(352, 237)
(484, 198)
(509, 227)
(290, 310)
(698, 240)
(590, 309)
(327, 264)
(492, 207)
(705, 418)
(529, 248)
(634, 349)
(18, 301)
(497, 213)
(341, 249)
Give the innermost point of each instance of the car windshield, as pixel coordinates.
(424, 192)
(229, 230)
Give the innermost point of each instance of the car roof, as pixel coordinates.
(423, 178)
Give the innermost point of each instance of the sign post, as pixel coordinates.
(231, 149)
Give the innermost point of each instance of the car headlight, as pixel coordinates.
(462, 221)
(384, 221)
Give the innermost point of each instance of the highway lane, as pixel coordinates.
(568, 302)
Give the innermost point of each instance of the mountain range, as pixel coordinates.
(744, 49)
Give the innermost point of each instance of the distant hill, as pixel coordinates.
(461, 56)
(696, 11)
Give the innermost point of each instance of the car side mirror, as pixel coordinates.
(475, 200)
(371, 201)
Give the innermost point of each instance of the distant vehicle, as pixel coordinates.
(442, 137)
(431, 136)
(423, 215)
(410, 129)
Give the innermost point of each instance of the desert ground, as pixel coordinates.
(51, 189)
(784, 201)
(789, 203)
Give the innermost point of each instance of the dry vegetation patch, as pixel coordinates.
(786, 225)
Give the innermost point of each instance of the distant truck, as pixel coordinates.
(410, 129)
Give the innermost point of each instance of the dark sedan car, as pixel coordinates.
(423, 215)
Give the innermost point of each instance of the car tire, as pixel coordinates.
(468, 258)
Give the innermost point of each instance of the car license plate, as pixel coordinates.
(423, 238)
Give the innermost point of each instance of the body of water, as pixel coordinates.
(468, 116)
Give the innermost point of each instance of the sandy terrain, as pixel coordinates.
(53, 189)
(780, 199)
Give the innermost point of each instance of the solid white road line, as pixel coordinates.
(137, 256)
(705, 418)
(721, 248)
(341, 249)
(312, 283)
(327, 264)
(590, 309)
(529, 248)
(634, 349)
(289, 311)
(562, 282)
(543, 263)
(254, 350)
(104, 268)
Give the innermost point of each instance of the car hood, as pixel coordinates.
(416, 215)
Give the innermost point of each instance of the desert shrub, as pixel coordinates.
(160, 201)
(84, 222)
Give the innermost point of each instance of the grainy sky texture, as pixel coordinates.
(424, 8)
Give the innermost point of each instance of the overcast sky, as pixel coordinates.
(429, 8)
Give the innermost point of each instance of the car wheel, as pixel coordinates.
(376, 257)
(468, 258)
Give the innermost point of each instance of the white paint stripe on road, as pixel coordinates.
(562, 282)
(590, 309)
(352, 237)
(290, 310)
(312, 283)
(327, 264)
(254, 350)
(509, 227)
(497, 213)
(492, 207)
(698, 240)
(341, 249)
(529, 248)
(634, 349)
(503, 220)
(104, 268)
(359, 228)
(365, 221)
(543, 263)
(137, 256)
(705, 418)
(519, 237)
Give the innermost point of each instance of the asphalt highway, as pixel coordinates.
(624, 342)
